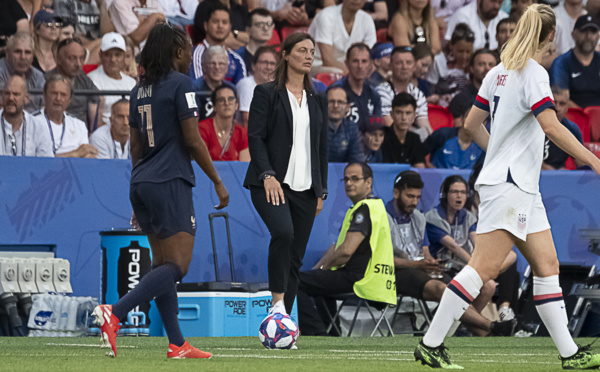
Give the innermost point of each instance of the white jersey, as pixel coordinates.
(516, 148)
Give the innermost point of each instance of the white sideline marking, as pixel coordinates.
(381, 352)
(89, 345)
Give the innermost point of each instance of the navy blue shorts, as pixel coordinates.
(164, 209)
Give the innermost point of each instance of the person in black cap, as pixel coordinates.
(372, 136)
(453, 148)
(577, 70)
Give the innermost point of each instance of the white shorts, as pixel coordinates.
(507, 207)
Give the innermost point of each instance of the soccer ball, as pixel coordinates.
(278, 331)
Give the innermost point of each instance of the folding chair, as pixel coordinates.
(424, 309)
(349, 299)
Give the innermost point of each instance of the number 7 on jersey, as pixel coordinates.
(147, 109)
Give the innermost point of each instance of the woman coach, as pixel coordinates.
(287, 175)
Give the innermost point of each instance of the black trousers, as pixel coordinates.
(315, 286)
(290, 225)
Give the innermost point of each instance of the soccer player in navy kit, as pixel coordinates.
(163, 118)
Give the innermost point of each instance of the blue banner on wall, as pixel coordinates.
(67, 202)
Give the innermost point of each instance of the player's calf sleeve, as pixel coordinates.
(548, 299)
(457, 297)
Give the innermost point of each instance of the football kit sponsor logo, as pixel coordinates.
(575, 75)
(522, 221)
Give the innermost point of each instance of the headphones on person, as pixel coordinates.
(445, 187)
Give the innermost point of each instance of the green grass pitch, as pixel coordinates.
(246, 354)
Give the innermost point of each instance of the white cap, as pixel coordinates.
(113, 40)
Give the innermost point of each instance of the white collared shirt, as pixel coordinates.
(75, 132)
(298, 176)
(107, 147)
(35, 142)
(468, 14)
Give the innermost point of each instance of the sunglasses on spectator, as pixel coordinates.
(420, 34)
(263, 24)
(467, 35)
(487, 40)
(53, 24)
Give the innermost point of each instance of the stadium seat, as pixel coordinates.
(275, 40)
(424, 311)
(189, 29)
(570, 164)
(287, 31)
(594, 147)
(382, 35)
(89, 68)
(349, 299)
(439, 117)
(328, 78)
(594, 115)
(582, 119)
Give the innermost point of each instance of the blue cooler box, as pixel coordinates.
(223, 314)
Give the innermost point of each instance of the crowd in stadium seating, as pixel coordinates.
(432, 50)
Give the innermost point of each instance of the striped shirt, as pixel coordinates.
(387, 92)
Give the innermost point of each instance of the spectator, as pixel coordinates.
(343, 138)
(482, 61)
(380, 55)
(567, 12)
(372, 136)
(504, 30)
(130, 66)
(415, 24)
(18, 61)
(217, 28)
(451, 228)
(129, 19)
(403, 69)
(363, 99)
(12, 20)
(71, 143)
(67, 31)
(482, 16)
(70, 55)
(415, 268)
(260, 31)
(179, 13)
(400, 145)
(112, 141)
(423, 65)
(577, 70)
(287, 12)
(46, 26)
(335, 29)
(214, 63)
(225, 140)
(238, 16)
(378, 10)
(449, 73)
(109, 75)
(554, 157)
(90, 21)
(453, 148)
(266, 58)
(364, 244)
(517, 8)
(21, 135)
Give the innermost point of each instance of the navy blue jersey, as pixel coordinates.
(156, 111)
(362, 107)
(553, 155)
(583, 82)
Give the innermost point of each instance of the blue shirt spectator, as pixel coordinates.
(447, 152)
(344, 143)
(568, 72)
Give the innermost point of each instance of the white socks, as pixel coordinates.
(548, 299)
(279, 307)
(457, 297)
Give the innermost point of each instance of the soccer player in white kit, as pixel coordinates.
(517, 95)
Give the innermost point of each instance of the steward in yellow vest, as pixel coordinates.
(362, 260)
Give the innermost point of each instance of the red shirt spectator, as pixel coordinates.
(237, 143)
